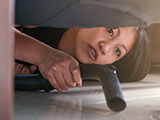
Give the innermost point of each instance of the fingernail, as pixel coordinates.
(74, 84)
(59, 90)
(79, 84)
(34, 67)
(76, 70)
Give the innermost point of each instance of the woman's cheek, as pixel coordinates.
(105, 60)
(81, 55)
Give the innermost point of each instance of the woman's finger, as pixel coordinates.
(75, 70)
(25, 70)
(67, 76)
(51, 78)
(33, 68)
(77, 77)
(15, 65)
(61, 80)
(18, 68)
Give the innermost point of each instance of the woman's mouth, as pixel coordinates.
(92, 53)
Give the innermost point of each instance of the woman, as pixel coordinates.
(87, 45)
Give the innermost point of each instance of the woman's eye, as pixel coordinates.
(118, 52)
(110, 31)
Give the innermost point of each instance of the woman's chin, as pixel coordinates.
(84, 60)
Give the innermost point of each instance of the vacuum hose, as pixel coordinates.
(106, 74)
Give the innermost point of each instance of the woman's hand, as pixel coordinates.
(61, 69)
(24, 69)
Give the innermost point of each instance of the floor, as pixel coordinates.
(88, 103)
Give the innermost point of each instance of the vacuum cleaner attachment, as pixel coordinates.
(104, 73)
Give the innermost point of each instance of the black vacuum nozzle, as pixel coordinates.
(104, 73)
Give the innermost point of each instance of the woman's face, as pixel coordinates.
(102, 45)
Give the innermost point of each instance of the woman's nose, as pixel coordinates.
(104, 47)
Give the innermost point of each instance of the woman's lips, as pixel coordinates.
(92, 53)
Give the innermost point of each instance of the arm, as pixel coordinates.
(29, 49)
(61, 69)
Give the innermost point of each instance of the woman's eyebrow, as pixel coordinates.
(125, 48)
(119, 32)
